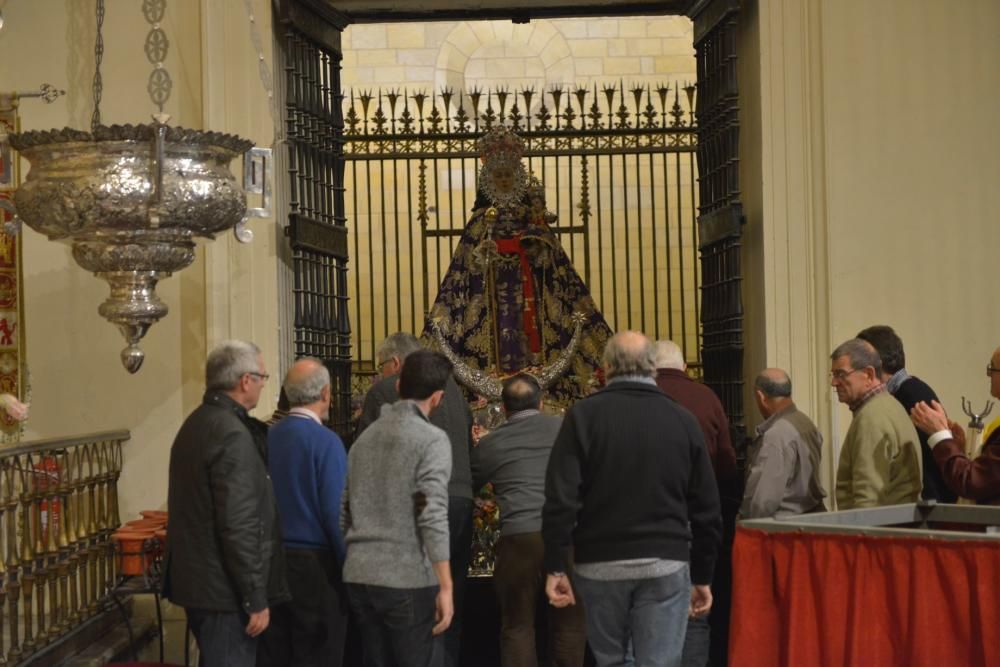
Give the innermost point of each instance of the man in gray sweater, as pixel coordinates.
(452, 416)
(395, 520)
(514, 457)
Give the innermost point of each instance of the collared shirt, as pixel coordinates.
(306, 413)
(867, 396)
(522, 414)
(898, 378)
(783, 467)
(644, 379)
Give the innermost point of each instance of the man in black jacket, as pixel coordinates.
(224, 561)
(630, 487)
(908, 390)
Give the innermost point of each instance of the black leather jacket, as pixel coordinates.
(224, 542)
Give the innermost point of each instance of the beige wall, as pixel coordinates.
(877, 163)
(77, 383)
(542, 53)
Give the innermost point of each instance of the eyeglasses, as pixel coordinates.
(991, 369)
(840, 375)
(263, 377)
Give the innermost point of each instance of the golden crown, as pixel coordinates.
(500, 145)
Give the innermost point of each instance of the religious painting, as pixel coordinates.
(12, 357)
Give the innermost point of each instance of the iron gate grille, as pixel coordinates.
(618, 167)
(721, 215)
(316, 221)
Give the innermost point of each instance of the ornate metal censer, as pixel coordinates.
(131, 199)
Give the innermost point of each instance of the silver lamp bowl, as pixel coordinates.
(130, 200)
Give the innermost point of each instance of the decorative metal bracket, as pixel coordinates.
(976, 420)
(257, 167)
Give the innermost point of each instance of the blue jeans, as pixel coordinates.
(652, 613)
(222, 638)
(396, 625)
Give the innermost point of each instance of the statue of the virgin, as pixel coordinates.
(511, 300)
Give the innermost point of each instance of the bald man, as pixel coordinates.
(784, 459)
(308, 466)
(630, 488)
(978, 478)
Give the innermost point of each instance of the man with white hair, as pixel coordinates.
(224, 562)
(672, 378)
(629, 488)
(308, 468)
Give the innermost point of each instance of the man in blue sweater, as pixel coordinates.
(308, 467)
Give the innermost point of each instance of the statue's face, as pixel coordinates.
(503, 179)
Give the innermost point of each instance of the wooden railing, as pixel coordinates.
(58, 507)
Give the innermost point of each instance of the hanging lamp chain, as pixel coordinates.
(98, 86)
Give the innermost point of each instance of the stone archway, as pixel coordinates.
(531, 55)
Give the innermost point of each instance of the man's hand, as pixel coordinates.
(957, 433)
(929, 418)
(15, 408)
(259, 622)
(444, 609)
(701, 601)
(559, 590)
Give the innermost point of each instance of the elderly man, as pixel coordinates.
(703, 404)
(224, 561)
(978, 478)
(630, 488)
(452, 416)
(783, 475)
(514, 457)
(308, 468)
(908, 390)
(706, 407)
(880, 458)
(397, 572)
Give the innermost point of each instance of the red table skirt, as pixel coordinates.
(821, 600)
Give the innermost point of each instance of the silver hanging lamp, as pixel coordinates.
(131, 199)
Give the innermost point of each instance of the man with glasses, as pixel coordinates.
(224, 560)
(979, 478)
(880, 458)
(908, 390)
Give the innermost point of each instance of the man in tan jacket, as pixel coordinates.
(880, 459)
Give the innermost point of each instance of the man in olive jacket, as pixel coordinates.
(224, 561)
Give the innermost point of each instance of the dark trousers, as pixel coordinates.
(396, 625)
(460, 538)
(310, 630)
(697, 643)
(222, 638)
(519, 579)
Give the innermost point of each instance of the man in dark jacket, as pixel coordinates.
(630, 488)
(224, 560)
(453, 417)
